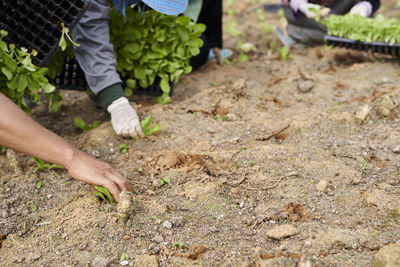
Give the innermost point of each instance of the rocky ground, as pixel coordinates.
(270, 163)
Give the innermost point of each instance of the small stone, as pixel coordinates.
(305, 86)
(211, 130)
(167, 225)
(158, 239)
(356, 181)
(383, 112)
(146, 261)
(388, 256)
(322, 186)
(362, 113)
(124, 263)
(36, 257)
(126, 237)
(397, 149)
(235, 190)
(282, 231)
(4, 214)
(177, 221)
(99, 261)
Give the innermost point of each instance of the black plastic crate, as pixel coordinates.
(36, 24)
(73, 78)
(376, 47)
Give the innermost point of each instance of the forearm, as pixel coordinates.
(20, 132)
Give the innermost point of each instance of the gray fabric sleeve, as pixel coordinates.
(95, 53)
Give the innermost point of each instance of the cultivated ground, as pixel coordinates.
(246, 151)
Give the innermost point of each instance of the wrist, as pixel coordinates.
(108, 95)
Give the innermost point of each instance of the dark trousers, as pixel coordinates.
(211, 16)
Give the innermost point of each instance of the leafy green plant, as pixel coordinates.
(63, 43)
(178, 245)
(19, 77)
(284, 53)
(356, 27)
(123, 148)
(124, 256)
(146, 125)
(231, 28)
(39, 185)
(165, 181)
(151, 47)
(102, 193)
(41, 165)
(81, 124)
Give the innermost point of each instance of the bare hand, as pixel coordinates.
(90, 170)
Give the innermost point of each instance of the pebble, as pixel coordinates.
(397, 149)
(305, 86)
(124, 263)
(322, 186)
(158, 239)
(4, 214)
(282, 231)
(167, 225)
(126, 237)
(356, 181)
(177, 221)
(234, 190)
(211, 130)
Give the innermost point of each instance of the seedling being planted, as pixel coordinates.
(284, 53)
(81, 124)
(146, 125)
(41, 165)
(102, 193)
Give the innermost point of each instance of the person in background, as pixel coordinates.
(96, 57)
(301, 14)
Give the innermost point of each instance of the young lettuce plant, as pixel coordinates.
(103, 193)
(146, 125)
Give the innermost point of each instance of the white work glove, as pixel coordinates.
(363, 8)
(309, 10)
(124, 119)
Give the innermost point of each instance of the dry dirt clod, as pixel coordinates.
(126, 237)
(362, 113)
(305, 86)
(146, 261)
(282, 231)
(322, 186)
(235, 190)
(124, 207)
(388, 256)
(383, 112)
(167, 225)
(396, 149)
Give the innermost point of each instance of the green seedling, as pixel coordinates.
(165, 181)
(356, 27)
(103, 193)
(41, 165)
(67, 183)
(178, 245)
(218, 117)
(3, 149)
(123, 148)
(39, 185)
(81, 124)
(243, 58)
(63, 43)
(231, 28)
(284, 53)
(124, 256)
(19, 77)
(364, 168)
(146, 125)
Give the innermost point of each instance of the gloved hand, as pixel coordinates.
(310, 10)
(363, 8)
(124, 119)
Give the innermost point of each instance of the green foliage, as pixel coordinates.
(3, 149)
(19, 77)
(146, 125)
(39, 185)
(123, 148)
(81, 124)
(356, 27)
(153, 47)
(63, 43)
(165, 181)
(124, 256)
(178, 245)
(102, 193)
(41, 165)
(284, 53)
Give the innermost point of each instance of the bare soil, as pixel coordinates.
(245, 151)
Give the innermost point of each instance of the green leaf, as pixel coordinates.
(39, 185)
(104, 191)
(80, 123)
(124, 257)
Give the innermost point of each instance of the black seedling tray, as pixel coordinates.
(36, 24)
(73, 78)
(376, 47)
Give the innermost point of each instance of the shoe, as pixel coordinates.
(225, 53)
(285, 40)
